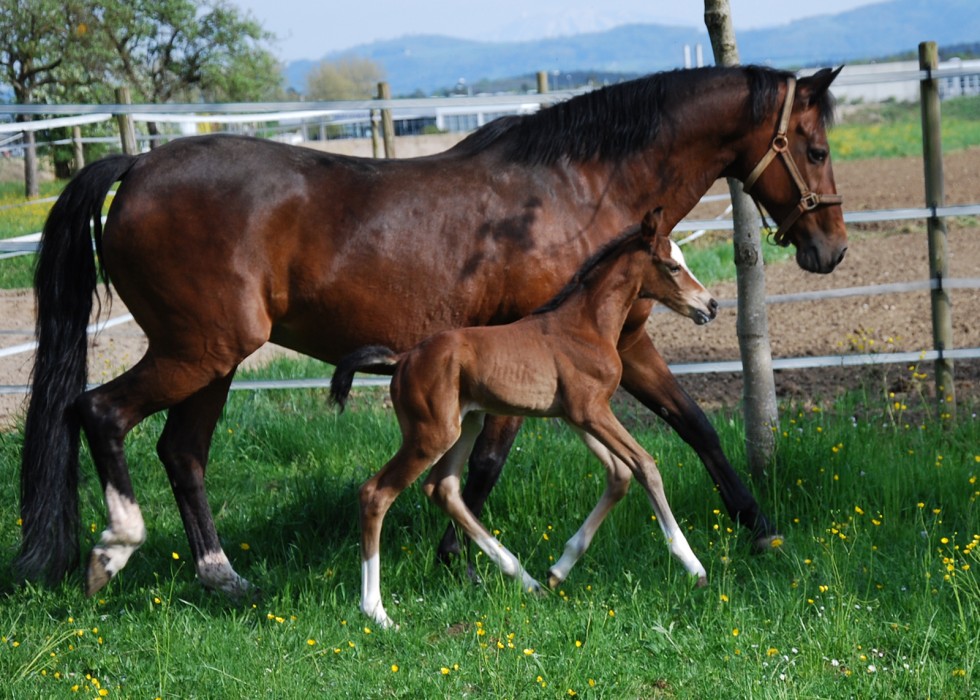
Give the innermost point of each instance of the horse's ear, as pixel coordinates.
(811, 88)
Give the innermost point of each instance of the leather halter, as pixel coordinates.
(809, 200)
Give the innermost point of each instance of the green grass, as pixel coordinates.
(873, 593)
(19, 218)
(894, 129)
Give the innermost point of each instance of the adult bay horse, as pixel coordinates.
(561, 361)
(218, 244)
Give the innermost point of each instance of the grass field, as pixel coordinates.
(872, 593)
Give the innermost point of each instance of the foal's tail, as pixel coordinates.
(65, 278)
(376, 359)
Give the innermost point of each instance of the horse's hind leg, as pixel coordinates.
(107, 414)
(617, 484)
(183, 448)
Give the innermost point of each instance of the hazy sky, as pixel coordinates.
(311, 29)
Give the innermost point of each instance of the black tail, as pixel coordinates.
(65, 278)
(376, 359)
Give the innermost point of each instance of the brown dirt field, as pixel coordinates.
(879, 253)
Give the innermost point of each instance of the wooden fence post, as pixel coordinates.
(375, 135)
(387, 125)
(78, 149)
(127, 132)
(932, 157)
(542, 82)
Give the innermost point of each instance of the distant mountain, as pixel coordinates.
(428, 63)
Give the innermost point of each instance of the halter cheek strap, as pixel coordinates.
(809, 200)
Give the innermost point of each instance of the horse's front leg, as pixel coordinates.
(647, 377)
(485, 465)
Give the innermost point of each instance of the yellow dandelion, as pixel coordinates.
(444, 671)
(857, 509)
(394, 668)
(772, 651)
(528, 652)
(723, 598)
(311, 642)
(174, 556)
(245, 546)
(735, 632)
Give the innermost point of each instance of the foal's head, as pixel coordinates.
(668, 280)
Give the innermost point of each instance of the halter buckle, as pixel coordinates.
(780, 144)
(809, 201)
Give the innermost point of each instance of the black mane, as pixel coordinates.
(621, 119)
(609, 251)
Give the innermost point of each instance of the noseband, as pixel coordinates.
(809, 200)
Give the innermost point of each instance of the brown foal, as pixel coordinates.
(561, 361)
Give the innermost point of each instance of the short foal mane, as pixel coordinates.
(622, 119)
(611, 250)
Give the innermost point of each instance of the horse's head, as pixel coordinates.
(668, 280)
(791, 175)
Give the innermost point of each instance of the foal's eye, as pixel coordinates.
(673, 268)
(817, 155)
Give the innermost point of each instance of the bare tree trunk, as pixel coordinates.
(759, 387)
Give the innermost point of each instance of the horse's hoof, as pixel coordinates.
(97, 575)
(767, 543)
(702, 582)
(553, 581)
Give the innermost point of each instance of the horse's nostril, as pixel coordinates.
(713, 305)
(841, 256)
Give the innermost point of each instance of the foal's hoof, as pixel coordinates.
(97, 575)
(702, 582)
(553, 580)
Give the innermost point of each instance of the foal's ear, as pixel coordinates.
(652, 222)
(811, 88)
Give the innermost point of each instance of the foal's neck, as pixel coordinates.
(603, 302)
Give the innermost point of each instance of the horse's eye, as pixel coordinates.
(817, 155)
(673, 268)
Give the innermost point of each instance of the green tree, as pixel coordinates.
(46, 49)
(189, 50)
(345, 79)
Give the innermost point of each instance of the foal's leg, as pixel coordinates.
(610, 432)
(107, 414)
(442, 487)
(183, 448)
(617, 484)
(647, 377)
(486, 462)
(423, 443)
